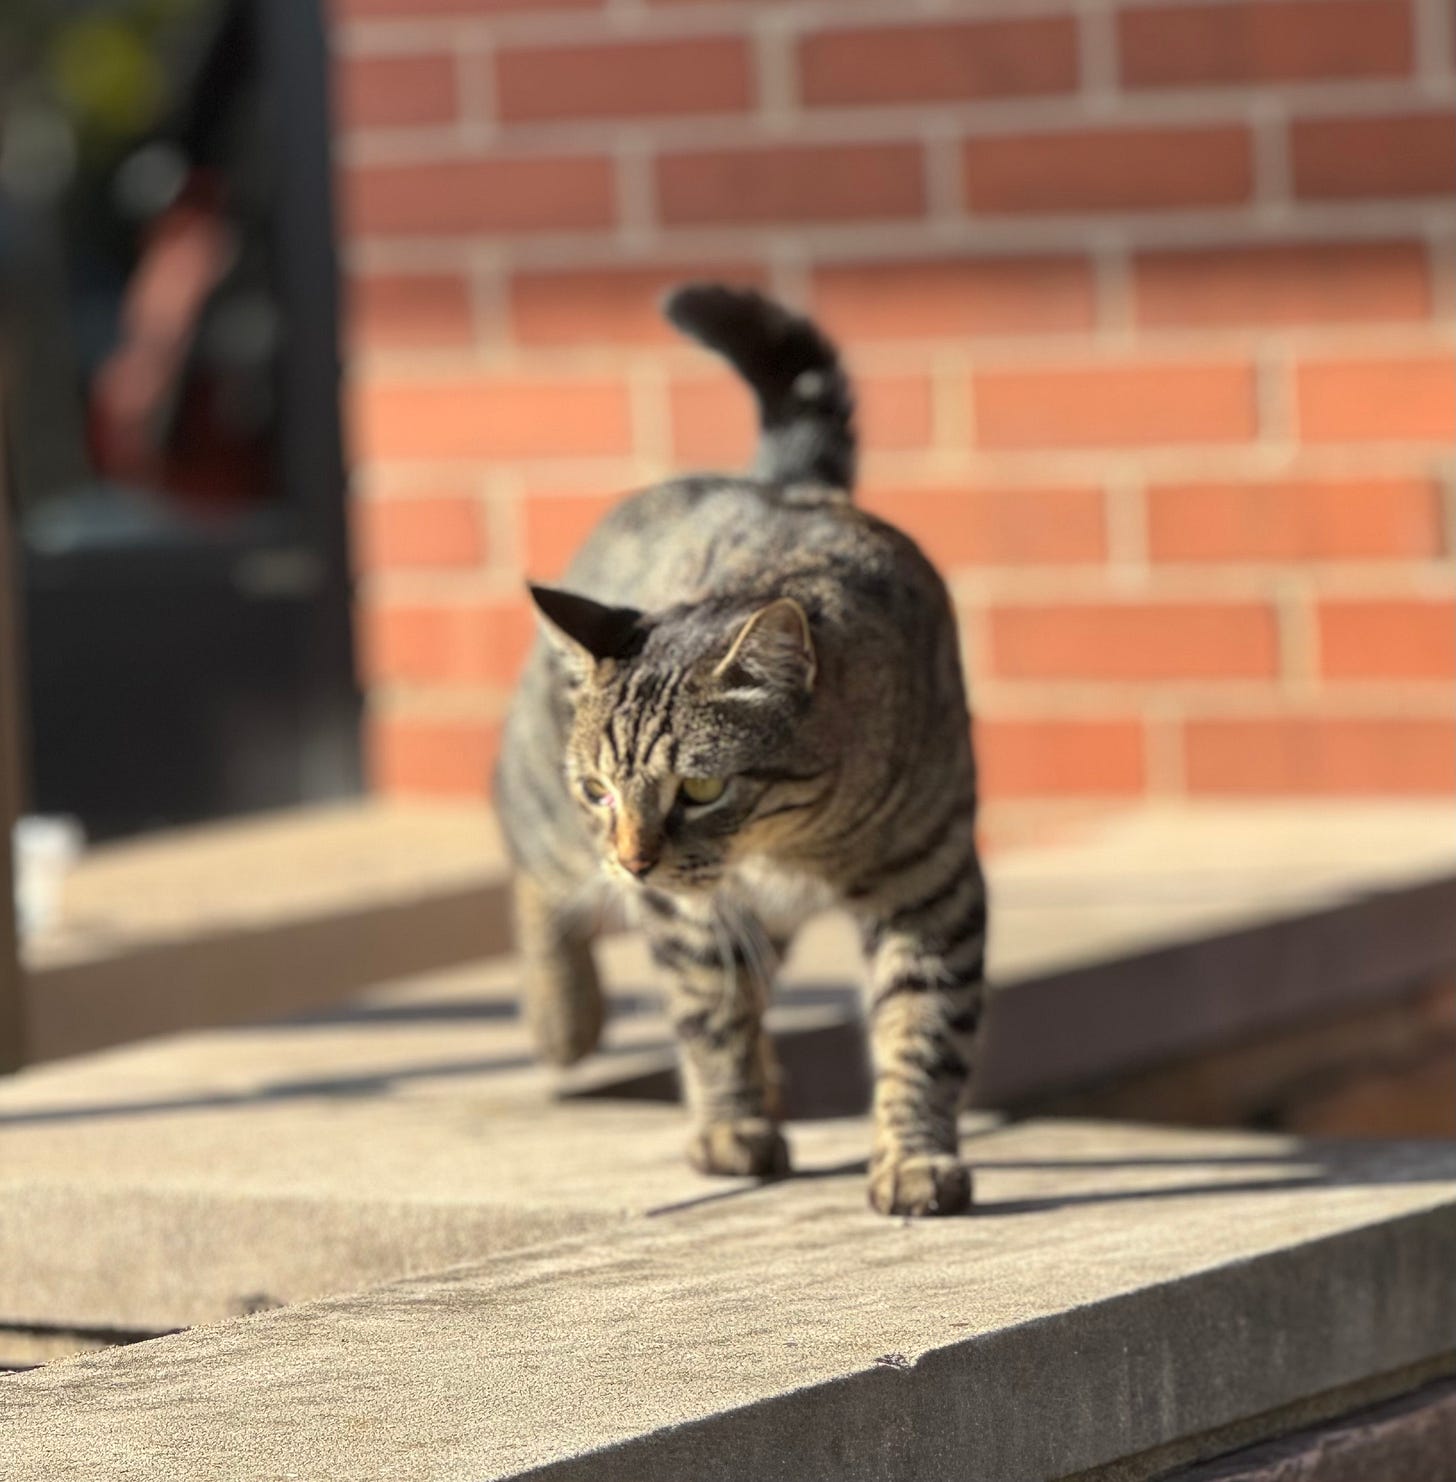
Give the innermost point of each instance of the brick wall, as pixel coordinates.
(1151, 306)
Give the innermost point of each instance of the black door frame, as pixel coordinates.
(12, 980)
(296, 56)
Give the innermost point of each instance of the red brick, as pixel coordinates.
(1135, 641)
(1041, 758)
(470, 419)
(1387, 639)
(504, 632)
(465, 644)
(1367, 519)
(1407, 400)
(714, 423)
(1114, 405)
(423, 531)
(998, 527)
(1264, 41)
(393, 92)
(407, 310)
(535, 193)
(941, 62)
(1330, 283)
(423, 9)
(1123, 169)
(423, 756)
(405, 643)
(616, 306)
(1408, 154)
(1319, 754)
(624, 79)
(555, 527)
(894, 412)
(955, 298)
(828, 182)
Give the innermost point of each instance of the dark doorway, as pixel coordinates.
(169, 285)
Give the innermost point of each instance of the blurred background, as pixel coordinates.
(1150, 305)
(173, 468)
(323, 326)
(325, 323)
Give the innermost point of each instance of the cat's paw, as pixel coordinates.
(751, 1148)
(565, 1028)
(920, 1183)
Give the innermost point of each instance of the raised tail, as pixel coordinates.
(805, 405)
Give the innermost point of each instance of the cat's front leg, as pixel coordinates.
(926, 960)
(561, 993)
(717, 995)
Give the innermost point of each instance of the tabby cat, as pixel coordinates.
(746, 705)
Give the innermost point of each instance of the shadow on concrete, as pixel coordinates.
(1321, 1164)
(368, 1084)
(634, 1003)
(445, 1011)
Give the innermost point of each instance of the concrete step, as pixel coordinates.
(462, 1266)
(300, 910)
(1124, 1297)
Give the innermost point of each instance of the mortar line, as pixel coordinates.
(1435, 40)
(771, 41)
(1097, 58)
(636, 193)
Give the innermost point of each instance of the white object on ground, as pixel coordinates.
(45, 849)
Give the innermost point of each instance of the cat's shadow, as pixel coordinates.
(1309, 1165)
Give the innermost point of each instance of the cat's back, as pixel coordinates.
(690, 538)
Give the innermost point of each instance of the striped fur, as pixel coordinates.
(765, 633)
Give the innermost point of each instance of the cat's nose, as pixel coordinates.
(640, 865)
(637, 844)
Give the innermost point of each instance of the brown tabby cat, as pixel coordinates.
(747, 706)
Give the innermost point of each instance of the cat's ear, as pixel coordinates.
(588, 634)
(775, 647)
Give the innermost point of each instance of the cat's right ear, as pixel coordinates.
(774, 647)
(587, 634)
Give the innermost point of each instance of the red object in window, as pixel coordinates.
(152, 415)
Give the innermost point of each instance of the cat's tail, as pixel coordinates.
(805, 404)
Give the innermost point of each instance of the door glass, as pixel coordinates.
(140, 313)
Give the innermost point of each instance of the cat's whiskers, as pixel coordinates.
(724, 939)
(756, 946)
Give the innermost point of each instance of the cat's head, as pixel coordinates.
(682, 754)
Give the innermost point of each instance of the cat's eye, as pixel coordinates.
(595, 793)
(700, 791)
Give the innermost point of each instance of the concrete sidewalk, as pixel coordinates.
(463, 1267)
(1124, 1296)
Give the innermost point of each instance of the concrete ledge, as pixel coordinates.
(272, 915)
(199, 1164)
(29, 1348)
(1121, 1289)
(1064, 1029)
(201, 1213)
(1170, 931)
(1128, 1300)
(1261, 914)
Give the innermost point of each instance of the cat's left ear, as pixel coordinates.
(588, 634)
(775, 646)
